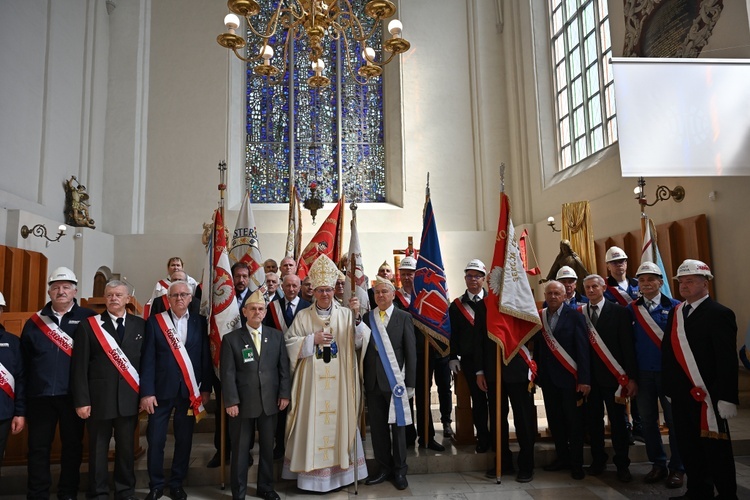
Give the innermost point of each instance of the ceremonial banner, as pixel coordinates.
(430, 302)
(245, 246)
(523, 244)
(650, 252)
(326, 241)
(355, 272)
(294, 235)
(219, 303)
(512, 316)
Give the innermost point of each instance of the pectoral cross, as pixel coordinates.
(327, 378)
(326, 446)
(327, 413)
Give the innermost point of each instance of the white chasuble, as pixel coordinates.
(326, 399)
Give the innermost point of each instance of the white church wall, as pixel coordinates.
(613, 207)
(52, 117)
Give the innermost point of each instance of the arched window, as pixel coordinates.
(583, 85)
(333, 136)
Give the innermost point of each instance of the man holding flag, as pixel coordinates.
(429, 309)
(219, 304)
(512, 319)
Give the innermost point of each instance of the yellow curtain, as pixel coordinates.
(576, 228)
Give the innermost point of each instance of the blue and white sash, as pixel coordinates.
(398, 412)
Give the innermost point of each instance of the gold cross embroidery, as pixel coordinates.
(327, 378)
(328, 412)
(326, 446)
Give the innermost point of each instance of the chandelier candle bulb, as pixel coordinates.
(369, 55)
(395, 27)
(232, 22)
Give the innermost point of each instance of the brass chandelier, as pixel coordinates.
(315, 20)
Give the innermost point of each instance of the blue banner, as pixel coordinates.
(430, 301)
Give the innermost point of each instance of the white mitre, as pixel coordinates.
(323, 273)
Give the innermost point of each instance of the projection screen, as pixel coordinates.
(683, 117)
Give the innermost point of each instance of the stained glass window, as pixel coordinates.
(332, 135)
(584, 89)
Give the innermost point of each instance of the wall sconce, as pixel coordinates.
(551, 223)
(662, 193)
(41, 231)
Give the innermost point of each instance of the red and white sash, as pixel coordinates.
(684, 356)
(7, 382)
(183, 361)
(652, 329)
(466, 310)
(278, 316)
(160, 293)
(526, 355)
(404, 299)
(557, 350)
(53, 332)
(113, 351)
(607, 358)
(621, 296)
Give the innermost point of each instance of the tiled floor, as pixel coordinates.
(456, 474)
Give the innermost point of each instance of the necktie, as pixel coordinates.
(594, 314)
(382, 316)
(120, 328)
(650, 305)
(256, 340)
(686, 310)
(288, 314)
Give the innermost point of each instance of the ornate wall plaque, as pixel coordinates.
(669, 28)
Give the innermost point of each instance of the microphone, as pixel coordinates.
(327, 348)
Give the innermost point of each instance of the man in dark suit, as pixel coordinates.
(241, 278)
(388, 368)
(468, 316)
(257, 384)
(176, 375)
(562, 355)
(699, 364)
(105, 383)
(280, 315)
(12, 385)
(613, 375)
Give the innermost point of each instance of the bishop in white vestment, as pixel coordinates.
(323, 346)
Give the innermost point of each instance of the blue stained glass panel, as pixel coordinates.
(332, 131)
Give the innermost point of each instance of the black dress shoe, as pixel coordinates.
(596, 469)
(447, 431)
(524, 476)
(177, 493)
(400, 482)
(154, 494)
(556, 466)
(376, 479)
(482, 447)
(278, 453)
(216, 461)
(433, 445)
(623, 474)
(577, 473)
(269, 495)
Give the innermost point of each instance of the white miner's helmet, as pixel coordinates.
(648, 268)
(476, 265)
(692, 266)
(408, 264)
(62, 274)
(566, 272)
(615, 253)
